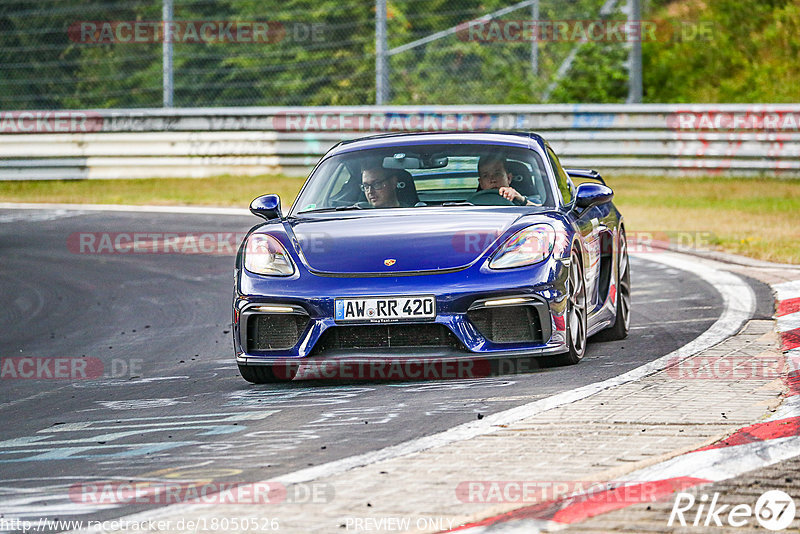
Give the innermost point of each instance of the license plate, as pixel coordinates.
(385, 309)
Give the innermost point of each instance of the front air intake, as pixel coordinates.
(278, 331)
(508, 324)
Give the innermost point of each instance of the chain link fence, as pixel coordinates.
(70, 54)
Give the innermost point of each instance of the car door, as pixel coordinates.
(589, 224)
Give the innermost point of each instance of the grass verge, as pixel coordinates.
(759, 218)
(233, 191)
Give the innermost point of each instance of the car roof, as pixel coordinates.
(507, 138)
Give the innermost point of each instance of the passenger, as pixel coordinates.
(492, 174)
(380, 187)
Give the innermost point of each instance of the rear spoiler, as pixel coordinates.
(586, 174)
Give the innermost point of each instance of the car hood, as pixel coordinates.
(407, 240)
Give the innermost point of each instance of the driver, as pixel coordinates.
(380, 187)
(492, 174)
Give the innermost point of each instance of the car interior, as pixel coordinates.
(427, 179)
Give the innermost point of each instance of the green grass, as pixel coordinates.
(742, 52)
(235, 191)
(759, 218)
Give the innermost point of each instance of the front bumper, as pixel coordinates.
(541, 286)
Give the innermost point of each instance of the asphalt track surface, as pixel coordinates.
(171, 405)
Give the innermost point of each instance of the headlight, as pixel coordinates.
(526, 247)
(263, 254)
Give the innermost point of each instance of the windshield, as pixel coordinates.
(417, 176)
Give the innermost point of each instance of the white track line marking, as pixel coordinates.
(676, 321)
(738, 306)
(201, 210)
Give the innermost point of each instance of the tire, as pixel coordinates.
(268, 374)
(622, 322)
(576, 316)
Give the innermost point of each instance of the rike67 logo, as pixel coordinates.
(774, 510)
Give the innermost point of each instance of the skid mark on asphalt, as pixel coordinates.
(49, 500)
(648, 326)
(34, 497)
(296, 396)
(89, 439)
(455, 385)
(118, 382)
(459, 406)
(116, 438)
(356, 416)
(138, 404)
(10, 403)
(38, 216)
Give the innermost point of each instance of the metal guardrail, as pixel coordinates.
(669, 139)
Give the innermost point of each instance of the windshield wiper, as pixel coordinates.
(465, 203)
(337, 208)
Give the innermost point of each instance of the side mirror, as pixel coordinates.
(267, 207)
(590, 194)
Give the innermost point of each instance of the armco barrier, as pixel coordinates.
(668, 139)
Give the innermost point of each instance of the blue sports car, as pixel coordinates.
(432, 246)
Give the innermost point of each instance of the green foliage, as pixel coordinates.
(597, 75)
(712, 51)
(725, 51)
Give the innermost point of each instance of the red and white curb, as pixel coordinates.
(788, 316)
(759, 445)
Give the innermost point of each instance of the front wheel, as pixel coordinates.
(267, 374)
(576, 317)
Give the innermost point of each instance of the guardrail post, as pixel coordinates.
(635, 53)
(381, 56)
(166, 49)
(535, 41)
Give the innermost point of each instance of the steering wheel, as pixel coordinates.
(489, 197)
